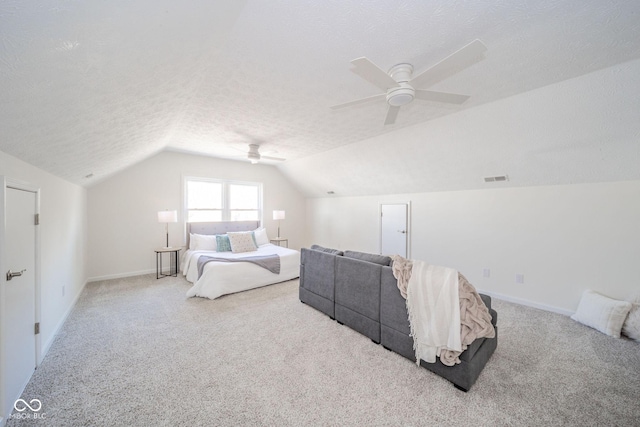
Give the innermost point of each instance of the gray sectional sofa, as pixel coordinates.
(359, 290)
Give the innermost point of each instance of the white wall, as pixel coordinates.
(123, 224)
(563, 239)
(63, 231)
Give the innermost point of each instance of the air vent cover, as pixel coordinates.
(499, 178)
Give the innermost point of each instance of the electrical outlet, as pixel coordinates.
(519, 278)
(486, 272)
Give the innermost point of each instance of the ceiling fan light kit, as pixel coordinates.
(401, 87)
(397, 97)
(404, 92)
(254, 155)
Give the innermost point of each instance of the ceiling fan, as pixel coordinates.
(254, 155)
(401, 87)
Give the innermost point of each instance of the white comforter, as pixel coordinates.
(222, 278)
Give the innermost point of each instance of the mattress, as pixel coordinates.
(222, 278)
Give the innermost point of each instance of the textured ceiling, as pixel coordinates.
(92, 87)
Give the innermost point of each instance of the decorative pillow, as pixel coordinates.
(242, 242)
(202, 242)
(631, 326)
(260, 236)
(222, 243)
(602, 313)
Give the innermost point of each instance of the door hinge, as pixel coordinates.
(37, 219)
(36, 329)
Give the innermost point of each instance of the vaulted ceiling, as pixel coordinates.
(89, 88)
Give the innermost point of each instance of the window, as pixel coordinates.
(218, 200)
(244, 202)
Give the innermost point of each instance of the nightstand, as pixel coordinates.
(279, 241)
(173, 262)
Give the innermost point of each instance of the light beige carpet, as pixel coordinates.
(135, 352)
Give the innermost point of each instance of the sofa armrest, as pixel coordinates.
(494, 314)
(486, 299)
(494, 317)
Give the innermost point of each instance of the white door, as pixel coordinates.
(394, 230)
(20, 293)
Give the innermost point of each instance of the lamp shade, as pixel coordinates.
(277, 215)
(168, 216)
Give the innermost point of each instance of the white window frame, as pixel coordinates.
(226, 183)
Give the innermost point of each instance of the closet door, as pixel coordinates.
(394, 229)
(19, 281)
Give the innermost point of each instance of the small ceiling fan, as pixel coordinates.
(254, 155)
(401, 87)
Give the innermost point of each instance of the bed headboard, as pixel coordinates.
(221, 227)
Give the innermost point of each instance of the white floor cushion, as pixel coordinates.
(631, 326)
(602, 313)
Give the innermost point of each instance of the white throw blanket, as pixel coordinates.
(434, 310)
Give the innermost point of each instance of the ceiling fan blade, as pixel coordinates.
(237, 148)
(277, 159)
(454, 63)
(450, 98)
(392, 113)
(360, 101)
(373, 74)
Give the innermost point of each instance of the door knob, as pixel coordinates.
(12, 274)
(402, 231)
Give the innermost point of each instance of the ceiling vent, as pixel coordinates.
(500, 178)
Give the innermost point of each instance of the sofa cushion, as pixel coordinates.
(317, 272)
(393, 307)
(465, 374)
(326, 250)
(322, 304)
(358, 286)
(376, 259)
(366, 326)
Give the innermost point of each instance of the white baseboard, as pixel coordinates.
(45, 348)
(120, 275)
(528, 303)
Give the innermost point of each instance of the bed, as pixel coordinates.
(217, 277)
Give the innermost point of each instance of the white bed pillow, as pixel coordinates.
(602, 313)
(260, 235)
(242, 242)
(631, 326)
(202, 242)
